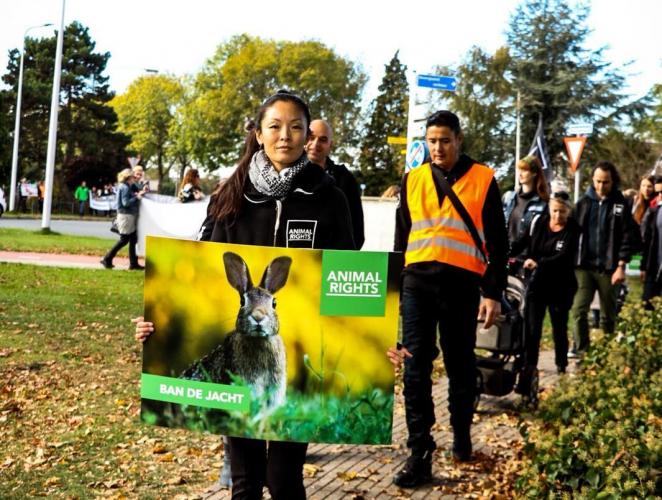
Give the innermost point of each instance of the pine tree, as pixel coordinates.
(89, 147)
(381, 163)
(557, 77)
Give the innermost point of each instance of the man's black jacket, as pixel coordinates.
(608, 232)
(348, 185)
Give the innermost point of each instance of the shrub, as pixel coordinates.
(598, 434)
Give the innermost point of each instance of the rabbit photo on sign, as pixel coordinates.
(254, 350)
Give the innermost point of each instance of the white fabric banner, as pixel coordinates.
(103, 203)
(165, 216)
(162, 215)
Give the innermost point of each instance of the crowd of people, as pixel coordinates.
(460, 240)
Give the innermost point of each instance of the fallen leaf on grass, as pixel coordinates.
(52, 481)
(175, 481)
(166, 457)
(159, 448)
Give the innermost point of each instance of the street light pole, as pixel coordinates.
(52, 128)
(17, 124)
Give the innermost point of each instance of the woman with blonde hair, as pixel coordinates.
(128, 201)
(521, 208)
(190, 189)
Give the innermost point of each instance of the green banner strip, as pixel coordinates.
(193, 392)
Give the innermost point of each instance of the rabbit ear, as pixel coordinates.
(237, 272)
(275, 275)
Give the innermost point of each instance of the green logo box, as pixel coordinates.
(353, 283)
(193, 392)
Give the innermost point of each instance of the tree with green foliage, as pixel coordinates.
(633, 156)
(381, 163)
(89, 146)
(557, 77)
(245, 70)
(484, 101)
(650, 125)
(6, 128)
(147, 112)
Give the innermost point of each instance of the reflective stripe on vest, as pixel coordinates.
(439, 233)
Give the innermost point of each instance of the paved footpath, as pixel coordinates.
(61, 260)
(366, 472)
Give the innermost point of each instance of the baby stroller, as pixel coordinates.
(503, 369)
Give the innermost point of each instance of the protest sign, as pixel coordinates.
(270, 343)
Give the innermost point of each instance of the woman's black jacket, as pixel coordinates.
(314, 214)
(649, 257)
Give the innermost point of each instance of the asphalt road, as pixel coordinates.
(100, 228)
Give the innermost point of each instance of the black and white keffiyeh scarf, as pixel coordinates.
(267, 180)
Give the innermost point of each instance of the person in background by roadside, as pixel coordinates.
(391, 193)
(82, 195)
(608, 238)
(190, 189)
(651, 259)
(41, 192)
(318, 149)
(139, 182)
(127, 214)
(643, 199)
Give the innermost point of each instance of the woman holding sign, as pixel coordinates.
(275, 197)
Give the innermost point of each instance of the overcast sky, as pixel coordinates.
(177, 37)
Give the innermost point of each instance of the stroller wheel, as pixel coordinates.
(479, 388)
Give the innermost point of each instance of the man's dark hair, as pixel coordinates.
(611, 168)
(444, 118)
(658, 180)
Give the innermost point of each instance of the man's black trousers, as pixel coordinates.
(448, 309)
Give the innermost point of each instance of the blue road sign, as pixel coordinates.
(416, 155)
(437, 82)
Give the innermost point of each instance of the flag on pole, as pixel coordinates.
(539, 149)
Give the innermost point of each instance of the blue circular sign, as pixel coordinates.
(416, 154)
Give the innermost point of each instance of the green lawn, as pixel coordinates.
(21, 240)
(69, 398)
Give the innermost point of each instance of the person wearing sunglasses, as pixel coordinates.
(651, 260)
(549, 252)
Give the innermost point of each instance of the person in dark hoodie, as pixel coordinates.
(318, 148)
(608, 238)
(275, 197)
